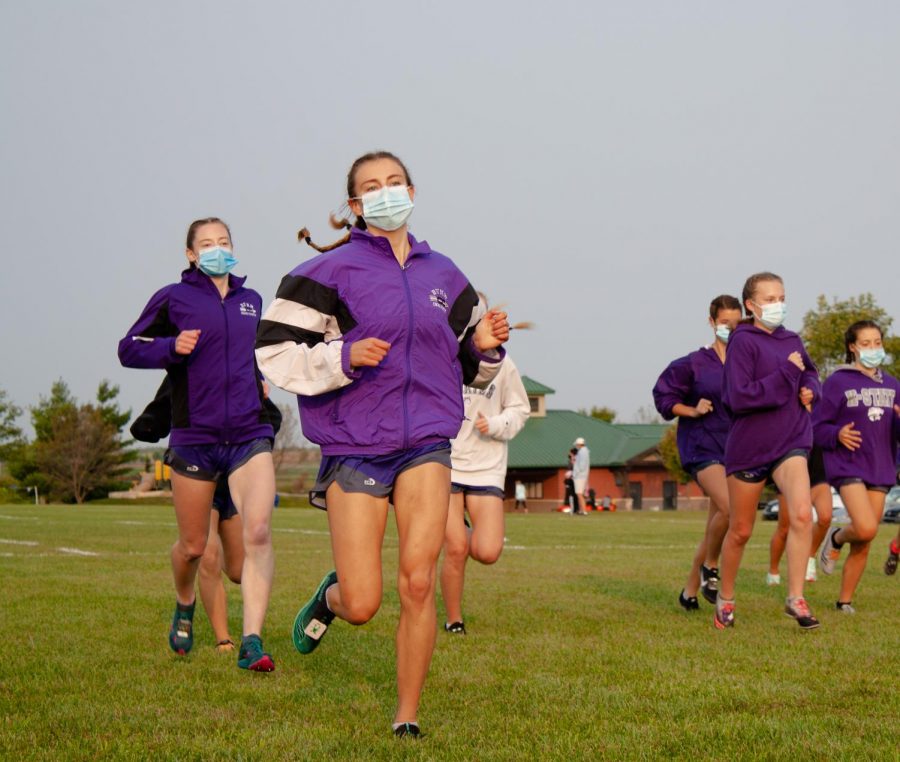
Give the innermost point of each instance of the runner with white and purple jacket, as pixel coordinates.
(376, 338)
(691, 389)
(857, 424)
(201, 331)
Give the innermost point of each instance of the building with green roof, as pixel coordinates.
(625, 459)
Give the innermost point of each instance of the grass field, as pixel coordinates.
(577, 650)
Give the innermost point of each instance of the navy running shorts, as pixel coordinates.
(466, 489)
(761, 473)
(208, 462)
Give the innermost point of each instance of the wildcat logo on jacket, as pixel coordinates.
(438, 298)
(248, 309)
(875, 414)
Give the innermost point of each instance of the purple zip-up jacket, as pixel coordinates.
(688, 380)
(851, 396)
(217, 395)
(762, 392)
(426, 310)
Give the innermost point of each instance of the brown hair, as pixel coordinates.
(723, 302)
(192, 230)
(750, 288)
(345, 223)
(853, 332)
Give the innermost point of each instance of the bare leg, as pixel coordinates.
(193, 501)
(456, 553)
(712, 481)
(779, 537)
(421, 500)
(742, 500)
(821, 499)
(488, 528)
(253, 492)
(212, 591)
(792, 478)
(864, 507)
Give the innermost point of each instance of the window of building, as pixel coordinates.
(534, 490)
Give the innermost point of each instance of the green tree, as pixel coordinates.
(668, 451)
(600, 413)
(81, 453)
(10, 433)
(824, 327)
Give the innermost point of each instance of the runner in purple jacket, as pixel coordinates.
(857, 424)
(691, 388)
(376, 338)
(201, 331)
(770, 382)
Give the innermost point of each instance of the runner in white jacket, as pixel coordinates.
(479, 453)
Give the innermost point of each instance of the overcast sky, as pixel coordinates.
(605, 169)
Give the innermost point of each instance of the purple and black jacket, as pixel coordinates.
(851, 396)
(426, 310)
(762, 392)
(217, 395)
(687, 380)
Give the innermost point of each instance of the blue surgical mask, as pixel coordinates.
(723, 332)
(772, 315)
(387, 208)
(871, 358)
(216, 261)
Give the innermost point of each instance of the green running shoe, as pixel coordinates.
(252, 657)
(311, 622)
(181, 633)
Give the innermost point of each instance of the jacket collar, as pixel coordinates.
(196, 277)
(383, 246)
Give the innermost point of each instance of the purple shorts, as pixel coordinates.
(373, 474)
(838, 483)
(466, 489)
(208, 462)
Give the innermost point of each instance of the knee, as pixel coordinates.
(234, 574)
(257, 535)
(487, 555)
(801, 515)
(740, 533)
(416, 587)
(866, 532)
(823, 520)
(210, 565)
(456, 549)
(192, 549)
(360, 607)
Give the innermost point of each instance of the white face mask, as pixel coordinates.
(772, 315)
(387, 208)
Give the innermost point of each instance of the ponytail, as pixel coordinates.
(338, 224)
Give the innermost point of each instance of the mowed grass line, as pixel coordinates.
(577, 650)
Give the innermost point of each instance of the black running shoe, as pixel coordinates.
(407, 730)
(890, 566)
(688, 604)
(456, 628)
(709, 583)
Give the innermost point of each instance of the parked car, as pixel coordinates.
(891, 513)
(839, 513)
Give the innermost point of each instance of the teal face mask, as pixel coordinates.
(387, 208)
(723, 332)
(216, 261)
(872, 358)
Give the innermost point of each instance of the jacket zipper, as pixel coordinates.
(409, 341)
(227, 376)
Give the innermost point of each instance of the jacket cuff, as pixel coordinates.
(496, 355)
(345, 361)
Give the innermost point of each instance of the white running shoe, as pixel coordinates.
(773, 579)
(811, 570)
(829, 554)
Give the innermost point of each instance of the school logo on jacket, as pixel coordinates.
(875, 414)
(248, 309)
(438, 298)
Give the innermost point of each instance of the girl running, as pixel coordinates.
(478, 454)
(858, 426)
(202, 331)
(691, 389)
(376, 338)
(769, 382)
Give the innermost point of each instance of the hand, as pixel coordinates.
(703, 407)
(186, 341)
(265, 386)
(368, 352)
(481, 423)
(849, 437)
(797, 359)
(492, 331)
(806, 396)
